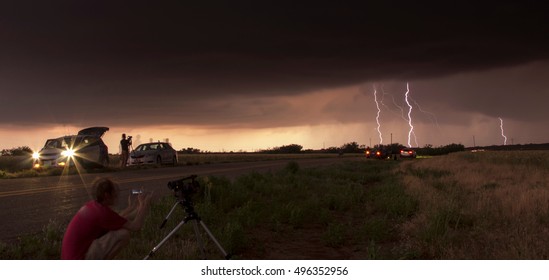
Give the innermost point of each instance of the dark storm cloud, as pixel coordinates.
(520, 93)
(192, 60)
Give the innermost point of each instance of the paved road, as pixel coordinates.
(27, 204)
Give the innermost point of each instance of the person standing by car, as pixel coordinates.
(125, 150)
(97, 231)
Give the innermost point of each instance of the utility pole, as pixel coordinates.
(474, 144)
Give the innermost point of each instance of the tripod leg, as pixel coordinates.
(199, 240)
(166, 219)
(165, 239)
(227, 256)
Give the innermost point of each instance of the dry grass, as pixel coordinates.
(491, 205)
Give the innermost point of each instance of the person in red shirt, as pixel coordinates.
(97, 231)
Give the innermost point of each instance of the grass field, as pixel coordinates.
(490, 205)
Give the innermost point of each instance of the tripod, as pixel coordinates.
(191, 216)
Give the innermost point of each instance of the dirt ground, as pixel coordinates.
(302, 244)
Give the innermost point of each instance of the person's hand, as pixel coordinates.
(144, 199)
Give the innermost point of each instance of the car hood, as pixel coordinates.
(50, 151)
(95, 131)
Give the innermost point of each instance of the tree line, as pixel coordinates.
(19, 151)
(354, 147)
(351, 147)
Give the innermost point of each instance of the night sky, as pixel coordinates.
(257, 74)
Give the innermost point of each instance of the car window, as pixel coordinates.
(70, 141)
(52, 144)
(155, 146)
(66, 142)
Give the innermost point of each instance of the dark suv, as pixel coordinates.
(87, 148)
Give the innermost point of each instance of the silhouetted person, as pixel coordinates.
(125, 150)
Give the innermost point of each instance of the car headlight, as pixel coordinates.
(68, 152)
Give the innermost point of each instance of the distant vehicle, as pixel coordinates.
(408, 153)
(153, 153)
(380, 154)
(87, 148)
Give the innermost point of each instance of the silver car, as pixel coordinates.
(87, 148)
(153, 153)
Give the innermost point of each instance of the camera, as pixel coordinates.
(184, 187)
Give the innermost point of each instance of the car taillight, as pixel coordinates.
(410, 152)
(378, 153)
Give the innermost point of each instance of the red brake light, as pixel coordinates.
(410, 152)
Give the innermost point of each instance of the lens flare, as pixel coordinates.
(68, 153)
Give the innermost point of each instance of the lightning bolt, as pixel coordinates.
(433, 117)
(399, 107)
(409, 116)
(383, 98)
(377, 117)
(502, 134)
(394, 103)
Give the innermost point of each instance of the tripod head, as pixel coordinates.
(185, 187)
